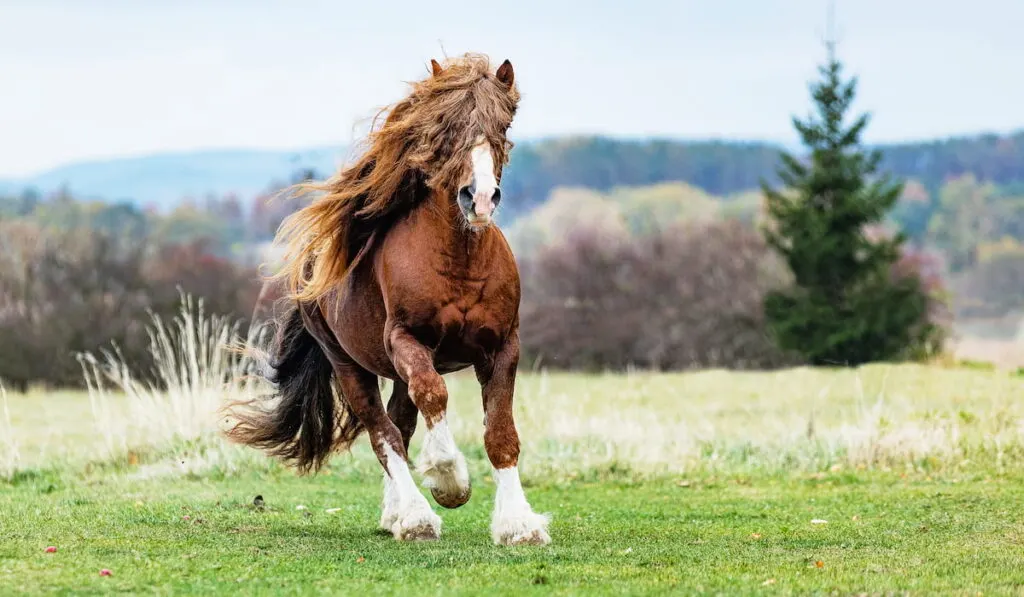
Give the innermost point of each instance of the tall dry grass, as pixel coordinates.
(10, 453)
(878, 417)
(197, 366)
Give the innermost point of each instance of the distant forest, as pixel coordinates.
(723, 167)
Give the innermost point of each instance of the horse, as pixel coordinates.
(397, 270)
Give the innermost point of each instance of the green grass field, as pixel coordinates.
(709, 482)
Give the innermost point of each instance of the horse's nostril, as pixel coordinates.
(465, 197)
(497, 196)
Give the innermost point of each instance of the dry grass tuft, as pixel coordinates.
(196, 368)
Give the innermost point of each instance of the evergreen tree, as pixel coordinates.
(847, 305)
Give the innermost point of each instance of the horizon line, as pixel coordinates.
(789, 145)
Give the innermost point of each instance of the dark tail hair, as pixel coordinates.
(306, 417)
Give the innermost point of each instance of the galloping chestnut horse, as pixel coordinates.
(397, 271)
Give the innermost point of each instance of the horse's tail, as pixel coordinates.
(306, 417)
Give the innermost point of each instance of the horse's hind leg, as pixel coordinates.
(407, 512)
(403, 414)
(514, 522)
(442, 465)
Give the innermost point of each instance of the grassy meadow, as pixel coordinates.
(886, 478)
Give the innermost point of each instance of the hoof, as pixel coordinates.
(448, 482)
(535, 537)
(451, 500)
(419, 526)
(423, 532)
(530, 529)
(388, 520)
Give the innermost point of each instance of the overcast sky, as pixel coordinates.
(84, 79)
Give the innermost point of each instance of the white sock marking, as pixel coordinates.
(414, 519)
(389, 505)
(441, 463)
(514, 522)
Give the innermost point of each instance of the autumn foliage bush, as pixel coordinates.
(686, 296)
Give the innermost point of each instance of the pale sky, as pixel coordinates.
(91, 79)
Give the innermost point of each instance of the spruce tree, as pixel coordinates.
(846, 306)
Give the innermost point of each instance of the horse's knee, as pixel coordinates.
(429, 394)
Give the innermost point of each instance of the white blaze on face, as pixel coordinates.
(484, 181)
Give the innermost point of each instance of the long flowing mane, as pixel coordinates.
(421, 146)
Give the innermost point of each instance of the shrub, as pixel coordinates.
(686, 296)
(992, 288)
(63, 293)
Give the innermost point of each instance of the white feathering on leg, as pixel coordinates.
(514, 522)
(389, 505)
(414, 519)
(443, 466)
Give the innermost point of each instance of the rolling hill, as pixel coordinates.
(164, 179)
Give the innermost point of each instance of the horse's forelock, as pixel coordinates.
(453, 108)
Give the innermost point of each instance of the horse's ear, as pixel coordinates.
(505, 74)
(435, 67)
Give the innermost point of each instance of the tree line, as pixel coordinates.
(726, 168)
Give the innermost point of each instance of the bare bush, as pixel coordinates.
(687, 296)
(928, 267)
(194, 269)
(992, 288)
(63, 293)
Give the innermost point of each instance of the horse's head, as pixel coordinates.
(479, 193)
(466, 109)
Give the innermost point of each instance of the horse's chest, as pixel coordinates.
(470, 321)
(461, 310)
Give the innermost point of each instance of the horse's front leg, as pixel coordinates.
(441, 463)
(514, 522)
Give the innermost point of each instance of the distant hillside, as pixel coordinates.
(718, 167)
(989, 157)
(164, 179)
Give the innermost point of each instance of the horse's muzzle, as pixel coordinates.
(478, 205)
